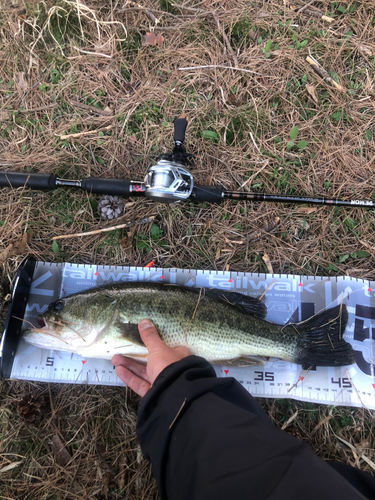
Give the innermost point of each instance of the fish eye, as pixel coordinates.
(58, 305)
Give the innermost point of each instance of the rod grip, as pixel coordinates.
(33, 181)
(179, 129)
(212, 194)
(119, 187)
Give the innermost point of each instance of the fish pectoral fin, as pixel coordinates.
(129, 331)
(241, 361)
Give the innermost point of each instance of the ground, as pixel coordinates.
(92, 89)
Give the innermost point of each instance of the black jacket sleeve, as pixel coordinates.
(207, 438)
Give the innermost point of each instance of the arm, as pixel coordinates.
(207, 438)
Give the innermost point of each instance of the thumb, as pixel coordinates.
(149, 335)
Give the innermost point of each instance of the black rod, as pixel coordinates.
(126, 187)
(239, 195)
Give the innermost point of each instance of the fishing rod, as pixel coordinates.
(168, 181)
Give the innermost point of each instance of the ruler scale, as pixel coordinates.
(288, 298)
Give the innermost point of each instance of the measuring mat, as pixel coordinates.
(288, 298)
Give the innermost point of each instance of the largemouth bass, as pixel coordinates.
(223, 327)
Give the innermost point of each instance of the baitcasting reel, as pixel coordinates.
(169, 180)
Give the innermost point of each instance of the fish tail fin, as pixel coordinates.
(320, 341)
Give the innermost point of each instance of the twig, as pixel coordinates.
(79, 134)
(289, 421)
(252, 138)
(91, 53)
(366, 459)
(319, 15)
(213, 66)
(147, 12)
(323, 73)
(234, 176)
(264, 293)
(301, 9)
(41, 108)
(179, 411)
(356, 390)
(92, 109)
(226, 39)
(300, 375)
(106, 229)
(220, 28)
(313, 13)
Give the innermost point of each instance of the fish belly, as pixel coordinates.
(229, 345)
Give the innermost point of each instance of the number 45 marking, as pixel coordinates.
(342, 382)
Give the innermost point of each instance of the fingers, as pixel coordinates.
(137, 384)
(149, 335)
(135, 367)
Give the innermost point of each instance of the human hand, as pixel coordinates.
(138, 376)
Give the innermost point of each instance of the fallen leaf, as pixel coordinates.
(4, 116)
(16, 248)
(61, 454)
(132, 139)
(124, 241)
(263, 13)
(108, 110)
(366, 50)
(159, 39)
(151, 39)
(21, 81)
(233, 100)
(306, 210)
(311, 90)
(303, 224)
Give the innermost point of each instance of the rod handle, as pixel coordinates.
(115, 187)
(212, 194)
(179, 129)
(33, 181)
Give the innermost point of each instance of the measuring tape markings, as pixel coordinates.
(286, 294)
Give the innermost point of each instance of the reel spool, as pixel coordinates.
(168, 181)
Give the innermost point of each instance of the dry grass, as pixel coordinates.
(45, 71)
(96, 426)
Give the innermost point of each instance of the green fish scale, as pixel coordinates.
(209, 328)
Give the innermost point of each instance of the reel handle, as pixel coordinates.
(179, 129)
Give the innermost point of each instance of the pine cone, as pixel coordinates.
(29, 408)
(110, 207)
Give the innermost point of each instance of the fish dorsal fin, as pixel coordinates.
(129, 331)
(241, 361)
(248, 305)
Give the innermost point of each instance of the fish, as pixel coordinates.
(225, 328)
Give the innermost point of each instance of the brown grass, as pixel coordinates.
(139, 91)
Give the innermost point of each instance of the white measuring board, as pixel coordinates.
(287, 297)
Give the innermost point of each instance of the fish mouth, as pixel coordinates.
(44, 328)
(41, 321)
